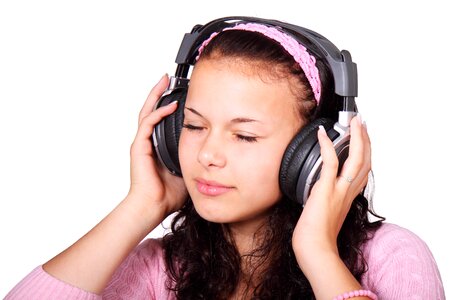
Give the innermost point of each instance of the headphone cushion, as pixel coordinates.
(297, 153)
(173, 124)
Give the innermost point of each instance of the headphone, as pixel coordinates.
(302, 162)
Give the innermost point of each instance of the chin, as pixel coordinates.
(213, 215)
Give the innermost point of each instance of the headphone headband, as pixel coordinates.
(297, 51)
(302, 161)
(340, 63)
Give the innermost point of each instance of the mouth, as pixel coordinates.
(211, 188)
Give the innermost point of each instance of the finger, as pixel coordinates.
(368, 146)
(367, 165)
(330, 162)
(148, 123)
(355, 169)
(153, 97)
(363, 143)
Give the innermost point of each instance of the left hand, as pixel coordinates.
(332, 195)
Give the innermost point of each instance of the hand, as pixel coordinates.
(154, 193)
(150, 181)
(332, 195)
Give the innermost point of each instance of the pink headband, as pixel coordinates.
(300, 54)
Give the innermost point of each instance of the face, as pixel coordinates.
(236, 128)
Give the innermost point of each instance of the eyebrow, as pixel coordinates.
(235, 120)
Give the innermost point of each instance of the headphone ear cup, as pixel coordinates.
(298, 153)
(167, 132)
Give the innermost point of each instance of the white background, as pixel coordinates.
(73, 77)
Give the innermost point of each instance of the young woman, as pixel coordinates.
(238, 233)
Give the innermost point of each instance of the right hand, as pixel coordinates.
(150, 181)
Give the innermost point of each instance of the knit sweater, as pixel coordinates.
(400, 266)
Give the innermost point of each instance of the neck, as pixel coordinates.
(247, 236)
(249, 239)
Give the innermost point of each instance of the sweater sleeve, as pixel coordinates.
(401, 266)
(141, 276)
(40, 285)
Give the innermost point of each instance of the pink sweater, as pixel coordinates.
(400, 267)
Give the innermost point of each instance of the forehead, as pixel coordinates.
(265, 70)
(244, 71)
(233, 86)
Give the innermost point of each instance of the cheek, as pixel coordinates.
(261, 168)
(186, 151)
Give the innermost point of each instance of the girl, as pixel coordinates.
(237, 234)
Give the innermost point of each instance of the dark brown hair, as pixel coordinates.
(201, 257)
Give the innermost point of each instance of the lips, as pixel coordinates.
(211, 188)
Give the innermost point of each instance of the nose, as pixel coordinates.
(212, 154)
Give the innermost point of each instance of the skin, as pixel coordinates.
(216, 152)
(251, 121)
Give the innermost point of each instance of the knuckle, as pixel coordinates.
(148, 120)
(141, 116)
(358, 164)
(133, 149)
(333, 162)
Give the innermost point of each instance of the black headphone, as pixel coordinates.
(301, 163)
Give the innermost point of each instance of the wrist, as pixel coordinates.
(144, 213)
(327, 273)
(313, 260)
(308, 249)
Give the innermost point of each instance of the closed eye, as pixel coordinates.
(248, 139)
(192, 127)
(239, 137)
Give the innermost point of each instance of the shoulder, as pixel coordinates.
(146, 258)
(392, 245)
(392, 237)
(141, 275)
(149, 249)
(400, 264)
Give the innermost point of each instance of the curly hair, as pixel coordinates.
(201, 256)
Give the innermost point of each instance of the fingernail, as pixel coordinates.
(322, 129)
(360, 119)
(164, 76)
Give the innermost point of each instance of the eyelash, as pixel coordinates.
(247, 139)
(243, 138)
(191, 127)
